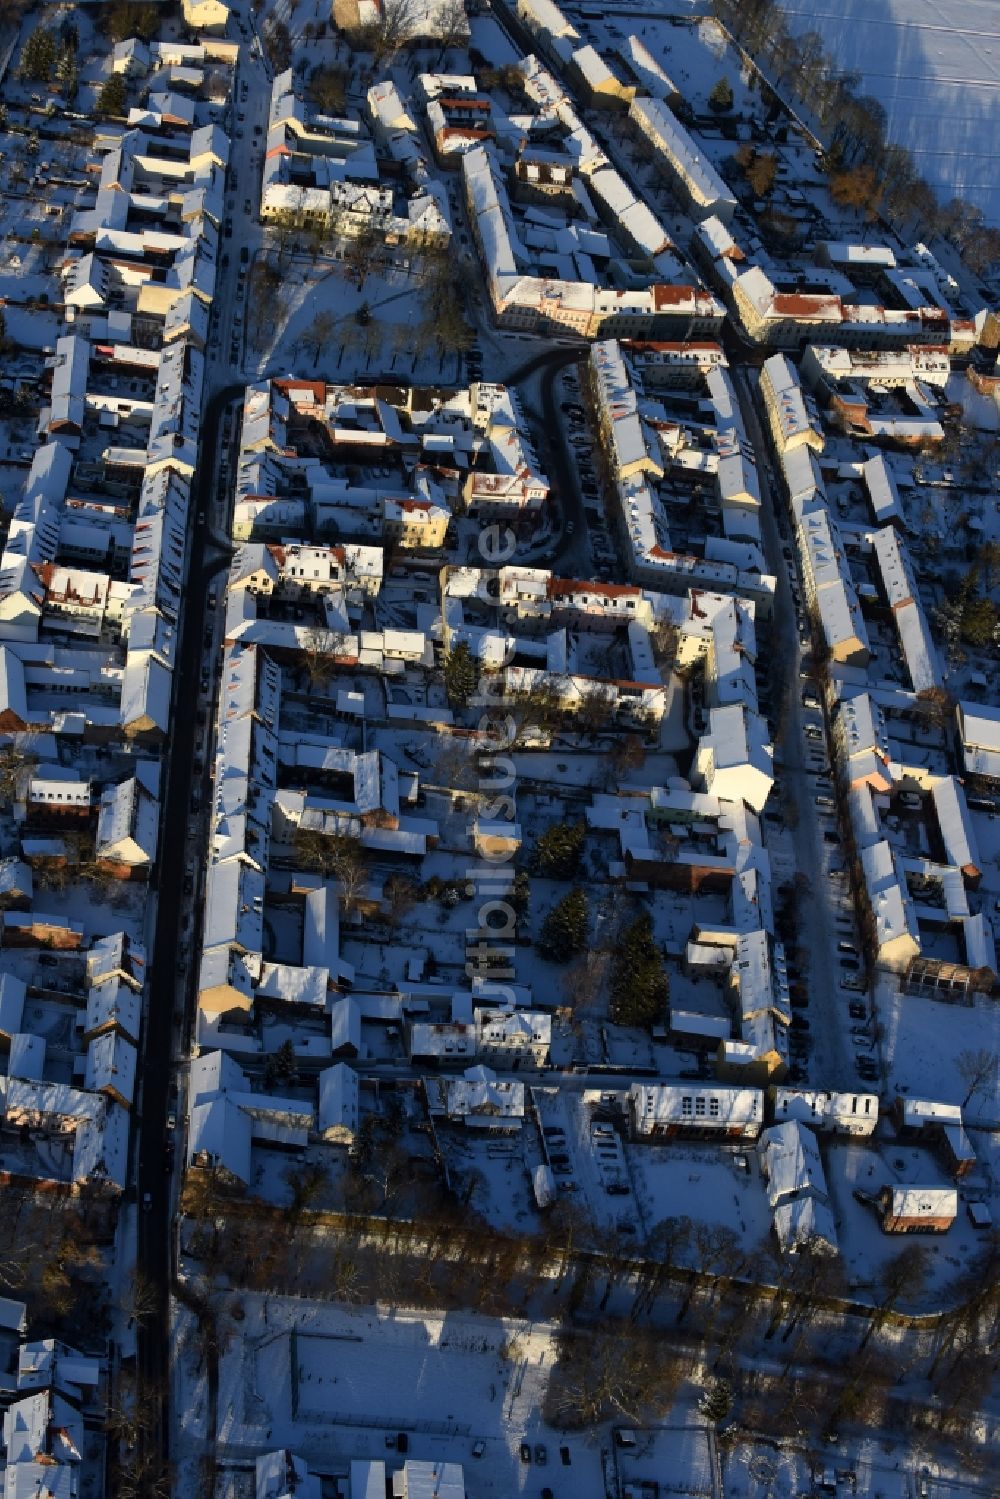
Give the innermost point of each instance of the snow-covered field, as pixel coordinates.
(329, 1381)
(935, 67)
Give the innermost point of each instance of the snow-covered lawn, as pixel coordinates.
(390, 342)
(703, 1183)
(695, 57)
(924, 1038)
(864, 1247)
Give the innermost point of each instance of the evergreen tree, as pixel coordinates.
(717, 1401)
(460, 675)
(639, 985)
(560, 849)
(39, 56)
(111, 99)
(519, 895)
(564, 930)
(721, 98)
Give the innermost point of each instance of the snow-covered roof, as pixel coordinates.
(805, 1223)
(219, 1135)
(691, 162)
(705, 1106)
(339, 1106)
(856, 1112)
(955, 825)
(790, 1160)
(922, 1202)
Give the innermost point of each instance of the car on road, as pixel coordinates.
(147, 1202)
(570, 527)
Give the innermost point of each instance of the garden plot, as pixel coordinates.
(685, 1180)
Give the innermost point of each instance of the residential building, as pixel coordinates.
(664, 1110)
(917, 1210)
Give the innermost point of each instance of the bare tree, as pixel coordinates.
(977, 1069)
(360, 255)
(903, 1276)
(452, 27)
(16, 768)
(340, 855)
(140, 1298)
(327, 88)
(320, 650)
(320, 331)
(586, 980)
(624, 1372)
(664, 638)
(392, 29)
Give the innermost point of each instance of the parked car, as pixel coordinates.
(525, 1450)
(541, 1455)
(856, 1010)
